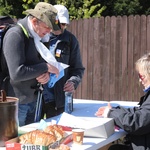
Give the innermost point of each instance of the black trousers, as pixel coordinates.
(49, 109)
(119, 147)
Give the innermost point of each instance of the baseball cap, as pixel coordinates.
(63, 14)
(47, 13)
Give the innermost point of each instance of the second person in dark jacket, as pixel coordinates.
(65, 47)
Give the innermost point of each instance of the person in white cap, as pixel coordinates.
(63, 14)
(65, 47)
(26, 66)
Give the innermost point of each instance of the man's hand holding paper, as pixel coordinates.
(54, 67)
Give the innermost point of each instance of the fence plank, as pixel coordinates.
(136, 54)
(118, 54)
(101, 50)
(96, 60)
(124, 70)
(148, 33)
(79, 35)
(85, 34)
(106, 58)
(112, 58)
(90, 59)
(130, 55)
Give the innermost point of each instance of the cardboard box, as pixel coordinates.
(93, 126)
(104, 127)
(14, 144)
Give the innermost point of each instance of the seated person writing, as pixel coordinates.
(135, 121)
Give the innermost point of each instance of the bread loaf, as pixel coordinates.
(46, 137)
(55, 130)
(37, 137)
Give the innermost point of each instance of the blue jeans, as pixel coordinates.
(26, 113)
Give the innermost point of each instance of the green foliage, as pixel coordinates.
(5, 10)
(29, 4)
(145, 4)
(83, 8)
(80, 8)
(125, 7)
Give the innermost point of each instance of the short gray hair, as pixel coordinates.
(143, 64)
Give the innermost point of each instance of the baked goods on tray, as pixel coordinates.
(49, 135)
(37, 137)
(55, 130)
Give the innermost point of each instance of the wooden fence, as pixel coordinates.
(109, 48)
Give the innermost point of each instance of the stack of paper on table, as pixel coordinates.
(93, 126)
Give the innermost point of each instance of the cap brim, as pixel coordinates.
(63, 20)
(49, 23)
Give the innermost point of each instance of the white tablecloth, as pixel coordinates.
(87, 108)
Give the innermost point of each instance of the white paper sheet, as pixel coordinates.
(48, 57)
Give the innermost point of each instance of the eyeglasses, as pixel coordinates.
(141, 77)
(63, 24)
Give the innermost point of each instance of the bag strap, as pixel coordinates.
(24, 30)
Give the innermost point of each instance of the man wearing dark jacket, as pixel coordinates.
(26, 66)
(65, 47)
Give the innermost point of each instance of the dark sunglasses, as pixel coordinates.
(63, 24)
